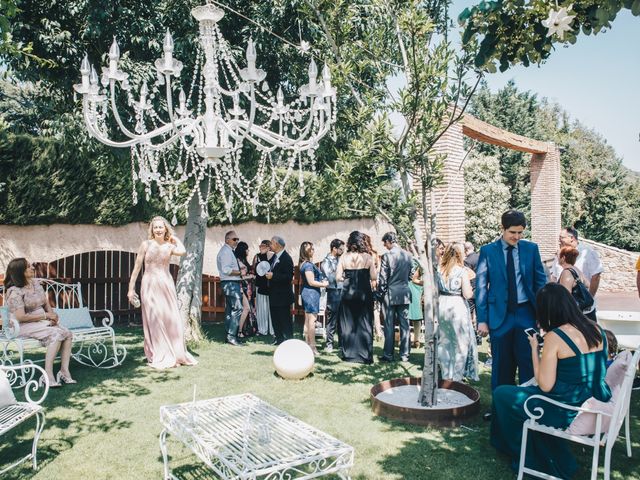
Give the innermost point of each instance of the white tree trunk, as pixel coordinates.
(189, 284)
(429, 389)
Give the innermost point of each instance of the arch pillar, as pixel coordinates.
(545, 200)
(449, 196)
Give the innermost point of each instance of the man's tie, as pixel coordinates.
(512, 299)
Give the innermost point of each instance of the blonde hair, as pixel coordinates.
(305, 253)
(168, 230)
(453, 256)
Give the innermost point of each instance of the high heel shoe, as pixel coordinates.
(51, 384)
(62, 378)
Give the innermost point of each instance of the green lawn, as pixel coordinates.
(107, 426)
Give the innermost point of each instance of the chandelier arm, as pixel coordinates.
(128, 143)
(170, 100)
(116, 114)
(179, 134)
(281, 141)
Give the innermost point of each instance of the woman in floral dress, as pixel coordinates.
(28, 304)
(457, 349)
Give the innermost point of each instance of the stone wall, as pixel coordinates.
(42, 243)
(619, 267)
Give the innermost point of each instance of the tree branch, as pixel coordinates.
(334, 48)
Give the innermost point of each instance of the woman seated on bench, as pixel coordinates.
(28, 304)
(570, 370)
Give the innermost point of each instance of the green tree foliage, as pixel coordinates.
(509, 32)
(486, 196)
(599, 195)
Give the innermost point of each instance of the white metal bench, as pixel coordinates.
(243, 437)
(13, 415)
(93, 345)
(602, 438)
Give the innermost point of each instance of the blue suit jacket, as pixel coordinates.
(491, 281)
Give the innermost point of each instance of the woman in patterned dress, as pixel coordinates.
(28, 304)
(457, 349)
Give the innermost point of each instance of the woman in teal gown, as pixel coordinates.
(570, 370)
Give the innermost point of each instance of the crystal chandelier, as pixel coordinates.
(226, 106)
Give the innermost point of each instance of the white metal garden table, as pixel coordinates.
(243, 437)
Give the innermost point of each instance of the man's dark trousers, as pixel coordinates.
(510, 347)
(331, 312)
(281, 320)
(401, 312)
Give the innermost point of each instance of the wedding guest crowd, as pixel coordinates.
(505, 281)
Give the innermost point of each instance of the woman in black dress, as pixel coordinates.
(242, 254)
(355, 317)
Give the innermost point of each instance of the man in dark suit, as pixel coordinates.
(509, 275)
(280, 291)
(393, 290)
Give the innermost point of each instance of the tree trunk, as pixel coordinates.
(189, 284)
(429, 389)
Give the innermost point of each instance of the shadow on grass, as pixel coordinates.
(445, 454)
(95, 386)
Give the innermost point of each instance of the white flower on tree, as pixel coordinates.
(559, 22)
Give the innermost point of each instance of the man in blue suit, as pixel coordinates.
(509, 275)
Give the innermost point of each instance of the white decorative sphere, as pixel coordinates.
(293, 359)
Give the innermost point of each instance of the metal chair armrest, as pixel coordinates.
(539, 411)
(14, 329)
(106, 321)
(34, 384)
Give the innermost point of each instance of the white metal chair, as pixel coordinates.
(13, 415)
(601, 438)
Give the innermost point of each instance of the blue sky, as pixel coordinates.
(596, 80)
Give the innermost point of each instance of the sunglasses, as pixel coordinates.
(235, 239)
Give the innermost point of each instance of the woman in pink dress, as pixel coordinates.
(163, 328)
(28, 304)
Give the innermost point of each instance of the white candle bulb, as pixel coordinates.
(251, 57)
(114, 51)
(85, 68)
(168, 42)
(94, 76)
(313, 72)
(168, 51)
(326, 74)
(143, 94)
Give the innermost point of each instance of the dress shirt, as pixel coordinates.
(329, 267)
(227, 262)
(522, 295)
(276, 259)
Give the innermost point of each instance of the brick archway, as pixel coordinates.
(544, 173)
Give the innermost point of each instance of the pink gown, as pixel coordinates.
(164, 344)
